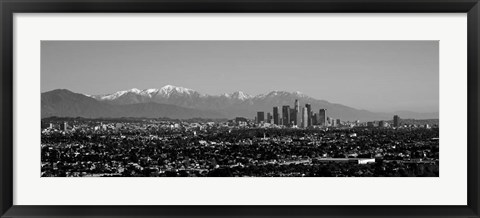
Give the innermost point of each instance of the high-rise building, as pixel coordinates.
(260, 116)
(314, 119)
(292, 117)
(322, 117)
(304, 118)
(65, 127)
(396, 121)
(334, 124)
(338, 122)
(381, 123)
(309, 114)
(286, 115)
(297, 115)
(269, 117)
(275, 116)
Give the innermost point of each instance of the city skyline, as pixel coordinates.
(386, 76)
(306, 117)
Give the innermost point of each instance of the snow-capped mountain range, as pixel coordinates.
(178, 102)
(165, 91)
(169, 91)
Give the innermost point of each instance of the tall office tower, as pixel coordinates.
(304, 118)
(314, 119)
(275, 115)
(292, 117)
(309, 113)
(297, 113)
(269, 117)
(338, 122)
(396, 121)
(260, 116)
(329, 121)
(333, 122)
(322, 117)
(382, 123)
(286, 115)
(65, 127)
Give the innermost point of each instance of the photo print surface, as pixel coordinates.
(240, 108)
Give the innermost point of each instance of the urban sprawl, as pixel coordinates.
(292, 142)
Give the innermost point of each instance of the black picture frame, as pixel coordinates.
(9, 7)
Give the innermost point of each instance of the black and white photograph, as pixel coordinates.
(232, 108)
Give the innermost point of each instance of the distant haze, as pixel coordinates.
(380, 76)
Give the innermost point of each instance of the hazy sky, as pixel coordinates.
(381, 76)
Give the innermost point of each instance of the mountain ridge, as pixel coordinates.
(235, 104)
(168, 90)
(64, 103)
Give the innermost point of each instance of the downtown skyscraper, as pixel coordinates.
(297, 117)
(304, 118)
(396, 121)
(322, 117)
(286, 115)
(309, 114)
(260, 116)
(275, 116)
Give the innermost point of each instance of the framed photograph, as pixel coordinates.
(238, 108)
